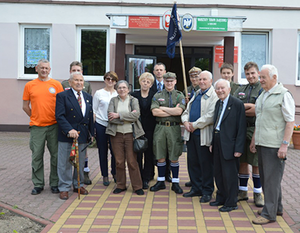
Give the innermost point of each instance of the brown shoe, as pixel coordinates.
(261, 220)
(278, 213)
(83, 191)
(64, 195)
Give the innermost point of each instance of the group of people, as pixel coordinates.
(227, 127)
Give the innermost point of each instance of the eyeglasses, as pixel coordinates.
(109, 79)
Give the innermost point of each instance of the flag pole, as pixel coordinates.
(183, 69)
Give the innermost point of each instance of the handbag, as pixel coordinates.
(139, 144)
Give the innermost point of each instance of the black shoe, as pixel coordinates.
(139, 192)
(117, 190)
(158, 186)
(228, 208)
(54, 189)
(215, 203)
(36, 191)
(176, 188)
(168, 179)
(205, 198)
(145, 185)
(188, 184)
(192, 193)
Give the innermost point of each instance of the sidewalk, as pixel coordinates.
(103, 211)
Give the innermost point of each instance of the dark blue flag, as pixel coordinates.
(174, 33)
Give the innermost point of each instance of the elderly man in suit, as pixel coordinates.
(74, 115)
(228, 141)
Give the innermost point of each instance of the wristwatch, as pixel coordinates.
(285, 142)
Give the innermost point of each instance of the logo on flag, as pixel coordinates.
(174, 33)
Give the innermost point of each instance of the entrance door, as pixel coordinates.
(201, 57)
(135, 66)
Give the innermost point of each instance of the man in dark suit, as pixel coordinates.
(74, 115)
(228, 141)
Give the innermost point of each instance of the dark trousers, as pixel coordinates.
(200, 166)
(122, 145)
(146, 160)
(102, 143)
(226, 175)
(271, 170)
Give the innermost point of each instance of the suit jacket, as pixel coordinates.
(153, 89)
(232, 128)
(69, 116)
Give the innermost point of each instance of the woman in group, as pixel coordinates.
(101, 100)
(124, 110)
(144, 95)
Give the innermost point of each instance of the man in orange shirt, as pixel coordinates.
(39, 100)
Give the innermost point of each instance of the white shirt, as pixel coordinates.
(225, 101)
(83, 105)
(100, 105)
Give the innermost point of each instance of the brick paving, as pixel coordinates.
(103, 211)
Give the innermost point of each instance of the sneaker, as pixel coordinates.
(242, 195)
(261, 220)
(258, 200)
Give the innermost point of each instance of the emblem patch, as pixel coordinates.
(52, 90)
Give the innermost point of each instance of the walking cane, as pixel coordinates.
(77, 166)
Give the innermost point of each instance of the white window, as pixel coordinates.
(93, 51)
(298, 63)
(255, 48)
(35, 45)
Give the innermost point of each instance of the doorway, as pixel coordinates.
(201, 57)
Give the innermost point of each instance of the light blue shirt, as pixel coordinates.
(225, 101)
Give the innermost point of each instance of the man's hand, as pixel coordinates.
(73, 134)
(210, 148)
(237, 154)
(191, 127)
(282, 151)
(187, 126)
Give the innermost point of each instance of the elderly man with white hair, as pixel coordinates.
(275, 116)
(198, 124)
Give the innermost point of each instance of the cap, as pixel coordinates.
(169, 75)
(195, 70)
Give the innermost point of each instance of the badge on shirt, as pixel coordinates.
(52, 90)
(161, 99)
(241, 94)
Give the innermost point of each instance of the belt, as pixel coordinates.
(167, 123)
(217, 131)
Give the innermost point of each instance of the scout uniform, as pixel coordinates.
(167, 135)
(249, 94)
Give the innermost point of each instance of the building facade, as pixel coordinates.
(130, 36)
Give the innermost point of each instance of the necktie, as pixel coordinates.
(159, 87)
(219, 113)
(79, 99)
(170, 100)
(249, 94)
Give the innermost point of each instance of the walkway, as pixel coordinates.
(103, 211)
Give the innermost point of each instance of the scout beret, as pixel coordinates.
(195, 70)
(169, 75)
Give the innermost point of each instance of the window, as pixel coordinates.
(35, 45)
(298, 63)
(93, 49)
(255, 47)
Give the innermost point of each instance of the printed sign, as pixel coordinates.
(212, 24)
(219, 54)
(144, 22)
(166, 20)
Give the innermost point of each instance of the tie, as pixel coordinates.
(79, 99)
(249, 94)
(219, 113)
(159, 87)
(170, 100)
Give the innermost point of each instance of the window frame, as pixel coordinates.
(297, 79)
(22, 74)
(78, 55)
(268, 34)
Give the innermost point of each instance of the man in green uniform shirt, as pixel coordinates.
(167, 105)
(248, 95)
(227, 73)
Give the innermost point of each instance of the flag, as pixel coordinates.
(174, 33)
